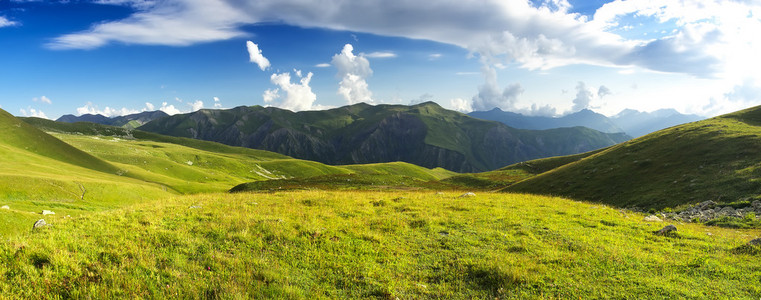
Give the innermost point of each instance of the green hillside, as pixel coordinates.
(717, 159)
(40, 172)
(425, 134)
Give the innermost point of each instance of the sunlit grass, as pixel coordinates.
(359, 244)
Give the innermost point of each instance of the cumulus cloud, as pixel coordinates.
(31, 112)
(298, 96)
(255, 55)
(353, 71)
(217, 103)
(460, 105)
(583, 97)
(196, 105)
(149, 106)
(490, 96)
(42, 99)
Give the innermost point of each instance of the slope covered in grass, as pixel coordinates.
(40, 172)
(717, 159)
(316, 244)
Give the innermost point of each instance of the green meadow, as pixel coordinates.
(140, 215)
(370, 244)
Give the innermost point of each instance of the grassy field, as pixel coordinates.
(321, 244)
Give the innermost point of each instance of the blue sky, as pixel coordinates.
(537, 57)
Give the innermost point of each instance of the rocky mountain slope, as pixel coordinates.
(424, 134)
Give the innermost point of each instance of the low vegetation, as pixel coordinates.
(322, 244)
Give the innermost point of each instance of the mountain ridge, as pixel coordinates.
(424, 134)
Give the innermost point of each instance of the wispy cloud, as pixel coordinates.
(535, 36)
(42, 99)
(382, 54)
(4, 22)
(322, 65)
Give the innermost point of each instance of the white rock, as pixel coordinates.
(47, 212)
(468, 194)
(5, 207)
(652, 218)
(39, 223)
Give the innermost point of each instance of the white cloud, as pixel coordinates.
(4, 22)
(322, 65)
(382, 54)
(353, 71)
(169, 109)
(489, 95)
(172, 22)
(196, 105)
(255, 55)
(583, 97)
(535, 36)
(31, 112)
(298, 96)
(434, 56)
(460, 105)
(92, 109)
(217, 103)
(42, 99)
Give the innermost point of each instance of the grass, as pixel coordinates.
(360, 244)
(716, 159)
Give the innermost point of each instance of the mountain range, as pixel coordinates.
(128, 121)
(632, 122)
(425, 134)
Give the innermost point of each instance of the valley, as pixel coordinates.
(139, 214)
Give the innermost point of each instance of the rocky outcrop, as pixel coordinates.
(709, 210)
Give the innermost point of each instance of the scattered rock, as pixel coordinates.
(756, 203)
(47, 212)
(756, 242)
(666, 230)
(468, 194)
(705, 204)
(195, 206)
(40, 223)
(652, 218)
(5, 207)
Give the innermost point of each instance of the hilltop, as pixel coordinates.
(716, 159)
(425, 134)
